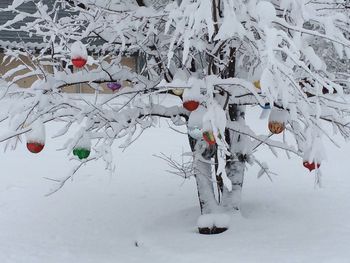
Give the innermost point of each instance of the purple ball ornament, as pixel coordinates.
(114, 86)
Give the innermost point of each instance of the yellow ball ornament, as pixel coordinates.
(178, 92)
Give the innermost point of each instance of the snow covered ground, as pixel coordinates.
(143, 214)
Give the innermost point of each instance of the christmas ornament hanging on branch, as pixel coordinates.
(36, 137)
(83, 148)
(79, 54)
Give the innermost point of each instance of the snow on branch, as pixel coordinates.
(222, 57)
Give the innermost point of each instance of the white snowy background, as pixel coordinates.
(143, 214)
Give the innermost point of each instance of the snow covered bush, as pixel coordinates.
(217, 57)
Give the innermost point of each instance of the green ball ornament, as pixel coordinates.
(81, 153)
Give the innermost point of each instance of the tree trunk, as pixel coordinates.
(203, 175)
(235, 164)
(231, 200)
(207, 201)
(212, 220)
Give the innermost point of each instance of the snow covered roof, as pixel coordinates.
(15, 39)
(12, 38)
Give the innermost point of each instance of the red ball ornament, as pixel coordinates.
(311, 166)
(79, 62)
(191, 105)
(35, 147)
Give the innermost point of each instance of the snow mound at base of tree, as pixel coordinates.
(211, 220)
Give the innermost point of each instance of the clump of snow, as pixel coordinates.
(216, 118)
(195, 132)
(316, 152)
(313, 58)
(84, 142)
(231, 26)
(191, 94)
(268, 82)
(278, 115)
(195, 122)
(211, 220)
(78, 50)
(266, 12)
(181, 75)
(196, 117)
(333, 31)
(37, 132)
(179, 81)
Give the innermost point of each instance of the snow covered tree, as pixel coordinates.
(214, 57)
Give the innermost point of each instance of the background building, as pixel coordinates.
(31, 43)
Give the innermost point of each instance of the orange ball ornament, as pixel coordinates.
(276, 127)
